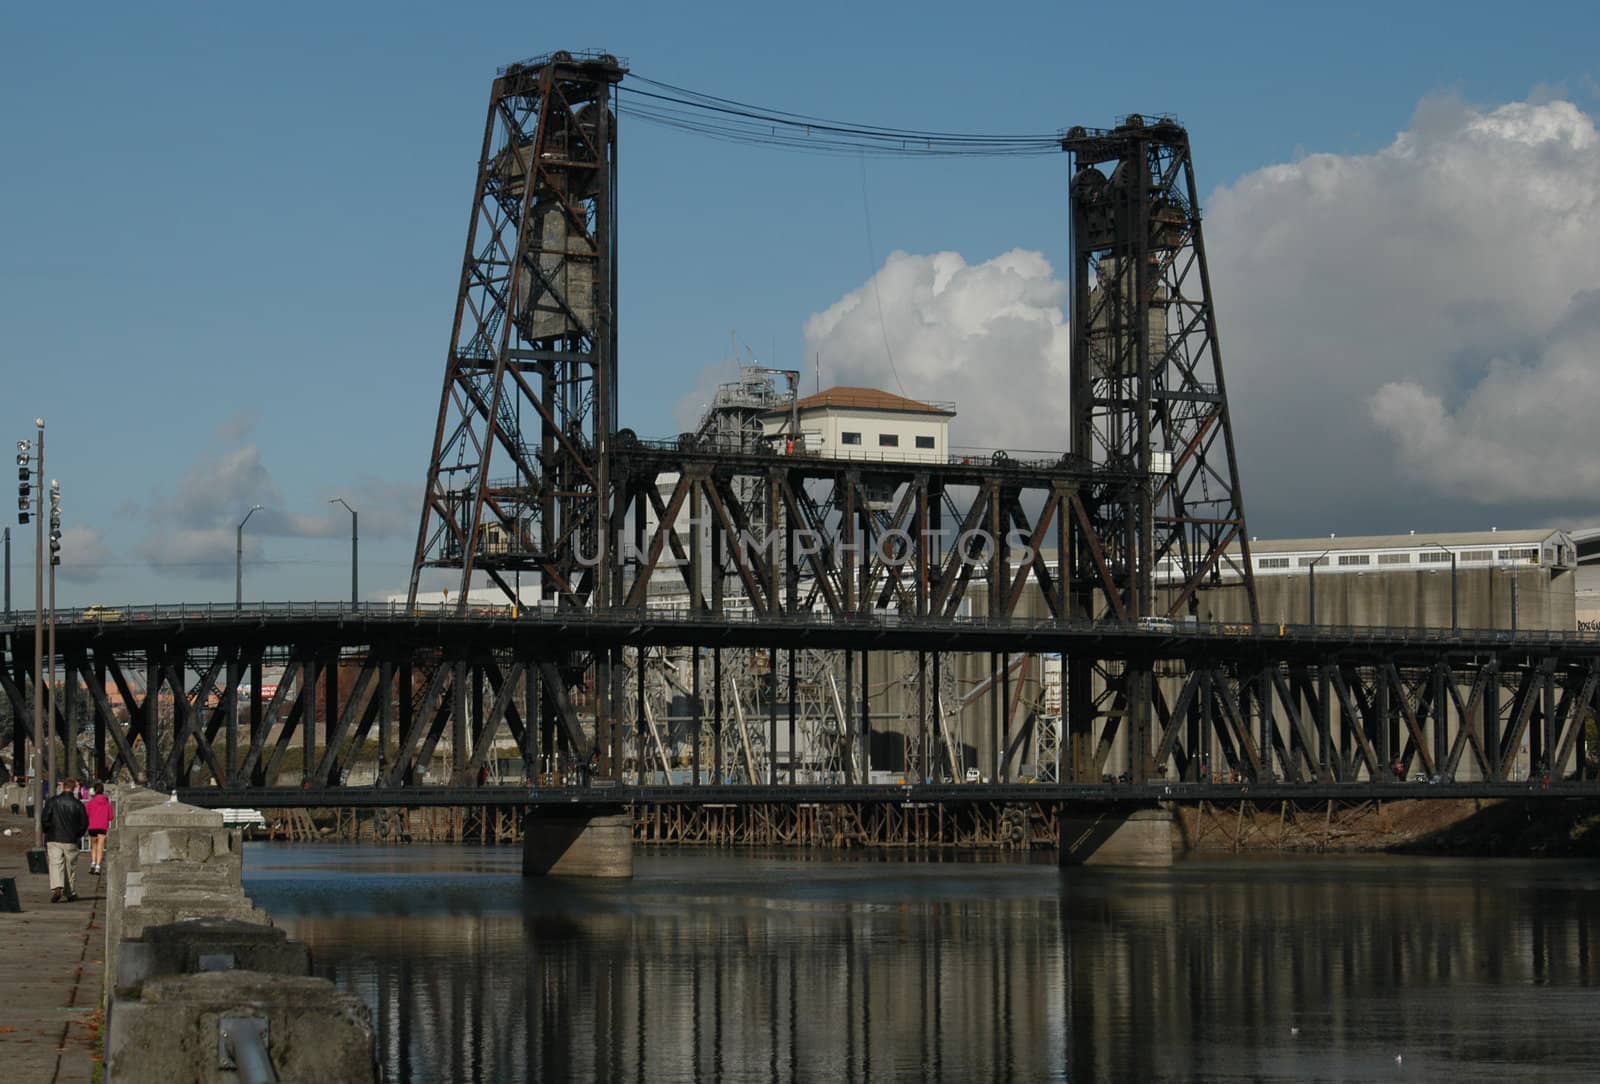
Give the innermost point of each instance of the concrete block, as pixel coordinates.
(208, 944)
(167, 844)
(161, 912)
(562, 844)
(1117, 837)
(173, 815)
(166, 862)
(171, 1033)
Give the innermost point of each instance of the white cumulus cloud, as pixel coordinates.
(1406, 333)
(1410, 337)
(990, 336)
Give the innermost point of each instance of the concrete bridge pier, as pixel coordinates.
(1139, 836)
(578, 843)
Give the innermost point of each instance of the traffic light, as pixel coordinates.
(55, 522)
(24, 480)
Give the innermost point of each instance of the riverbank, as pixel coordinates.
(52, 959)
(1497, 828)
(1508, 828)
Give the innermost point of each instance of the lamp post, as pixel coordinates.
(1315, 561)
(1455, 612)
(354, 593)
(24, 491)
(50, 652)
(238, 560)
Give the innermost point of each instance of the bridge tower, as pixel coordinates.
(518, 470)
(1148, 398)
(1146, 384)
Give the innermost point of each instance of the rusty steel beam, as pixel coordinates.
(530, 372)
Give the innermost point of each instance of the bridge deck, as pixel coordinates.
(127, 628)
(1002, 793)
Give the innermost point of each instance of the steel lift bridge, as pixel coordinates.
(805, 585)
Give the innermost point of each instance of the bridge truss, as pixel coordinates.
(805, 587)
(601, 521)
(389, 700)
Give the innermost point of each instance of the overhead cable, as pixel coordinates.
(733, 121)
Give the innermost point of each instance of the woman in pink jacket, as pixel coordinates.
(100, 817)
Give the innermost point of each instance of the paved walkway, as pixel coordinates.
(52, 957)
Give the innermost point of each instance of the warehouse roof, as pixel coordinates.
(1448, 539)
(869, 399)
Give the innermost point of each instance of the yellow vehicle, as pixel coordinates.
(101, 613)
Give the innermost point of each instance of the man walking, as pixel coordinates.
(65, 821)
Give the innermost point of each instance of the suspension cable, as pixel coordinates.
(733, 121)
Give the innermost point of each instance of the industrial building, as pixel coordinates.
(863, 423)
(1587, 578)
(1522, 579)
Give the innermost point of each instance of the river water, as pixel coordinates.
(732, 966)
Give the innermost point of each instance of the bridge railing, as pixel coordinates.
(487, 612)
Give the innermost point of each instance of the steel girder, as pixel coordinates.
(249, 713)
(804, 534)
(322, 706)
(519, 460)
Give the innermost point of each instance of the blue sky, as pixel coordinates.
(229, 239)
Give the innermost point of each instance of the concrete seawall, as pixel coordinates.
(197, 978)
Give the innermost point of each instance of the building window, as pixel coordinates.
(1521, 553)
(1394, 558)
(1273, 562)
(1433, 557)
(1312, 562)
(925, 443)
(1477, 555)
(1346, 559)
(849, 438)
(888, 440)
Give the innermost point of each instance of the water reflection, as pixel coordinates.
(722, 967)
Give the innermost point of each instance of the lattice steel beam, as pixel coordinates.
(517, 478)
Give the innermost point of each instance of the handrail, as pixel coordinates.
(489, 612)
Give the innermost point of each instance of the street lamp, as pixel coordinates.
(26, 496)
(50, 649)
(1315, 561)
(238, 560)
(1455, 612)
(354, 594)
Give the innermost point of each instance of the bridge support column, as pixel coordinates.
(574, 843)
(1140, 836)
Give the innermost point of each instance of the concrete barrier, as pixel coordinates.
(174, 1030)
(192, 965)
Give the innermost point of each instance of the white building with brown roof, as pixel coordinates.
(864, 423)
